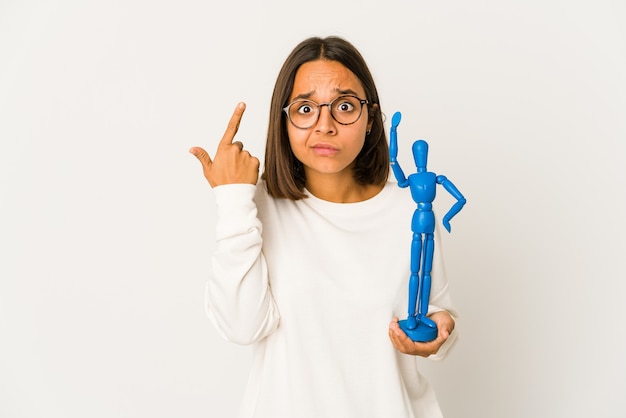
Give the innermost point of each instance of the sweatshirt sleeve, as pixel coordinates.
(239, 301)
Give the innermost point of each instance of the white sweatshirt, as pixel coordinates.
(313, 285)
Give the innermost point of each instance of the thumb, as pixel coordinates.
(201, 155)
(445, 333)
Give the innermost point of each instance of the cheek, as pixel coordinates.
(359, 146)
(297, 140)
(360, 137)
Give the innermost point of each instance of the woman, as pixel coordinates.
(313, 260)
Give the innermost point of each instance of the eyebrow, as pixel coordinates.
(340, 91)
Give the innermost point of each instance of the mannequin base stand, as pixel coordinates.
(422, 333)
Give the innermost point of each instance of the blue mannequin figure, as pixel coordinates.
(423, 185)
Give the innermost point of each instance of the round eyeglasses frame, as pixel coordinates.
(330, 109)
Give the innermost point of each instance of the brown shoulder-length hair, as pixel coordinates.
(283, 173)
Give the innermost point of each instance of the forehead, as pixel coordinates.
(322, 78)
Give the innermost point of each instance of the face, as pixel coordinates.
(327, 148)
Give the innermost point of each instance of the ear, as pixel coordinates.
(371, 112)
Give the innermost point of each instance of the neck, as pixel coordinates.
(339, 188)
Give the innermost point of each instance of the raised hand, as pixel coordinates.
(393, 136)
(231, 163)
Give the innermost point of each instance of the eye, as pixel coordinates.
(345, 105)
(305, 108)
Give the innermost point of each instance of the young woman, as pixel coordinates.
(313, 260)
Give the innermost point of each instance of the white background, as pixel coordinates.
(106, 221)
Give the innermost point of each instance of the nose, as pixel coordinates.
(325, 122)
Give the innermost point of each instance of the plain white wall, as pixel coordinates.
(106, 221)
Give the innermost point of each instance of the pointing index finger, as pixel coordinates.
(233, 124)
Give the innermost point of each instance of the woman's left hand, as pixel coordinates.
(445, 325)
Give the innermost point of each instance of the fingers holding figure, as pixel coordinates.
(404, 344)
(231, 164)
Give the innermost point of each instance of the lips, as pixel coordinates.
(325, 149)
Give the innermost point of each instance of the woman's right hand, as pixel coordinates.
(231, 163)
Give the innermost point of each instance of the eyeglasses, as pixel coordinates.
(346, 110)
